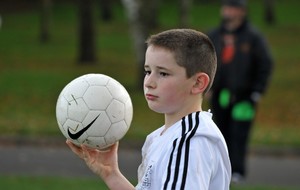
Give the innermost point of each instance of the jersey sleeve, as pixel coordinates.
(199, 166)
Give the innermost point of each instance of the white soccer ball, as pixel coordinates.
(95, 110)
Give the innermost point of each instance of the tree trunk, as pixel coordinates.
(269, 12)
(87, 43)
(106, 10)
(141, 20)
(45, 21)
(138, 33)
(149, 13)
(184, 12)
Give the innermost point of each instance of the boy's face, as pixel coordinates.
(166, 86)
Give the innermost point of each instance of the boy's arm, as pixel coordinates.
(104, 164)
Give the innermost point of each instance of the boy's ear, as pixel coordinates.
(201, 83)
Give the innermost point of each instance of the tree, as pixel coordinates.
(45, 20)
(184, 12)
(106, 9)
(149, 13)
(269, 11)
(87, 43)
(142, 19)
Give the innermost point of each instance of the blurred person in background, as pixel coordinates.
(244, 69)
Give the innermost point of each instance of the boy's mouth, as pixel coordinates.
(151, 97)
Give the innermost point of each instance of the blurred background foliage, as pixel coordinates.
(39, 56)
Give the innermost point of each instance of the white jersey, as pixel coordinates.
(191, 154)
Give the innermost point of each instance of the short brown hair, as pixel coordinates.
(192, 50)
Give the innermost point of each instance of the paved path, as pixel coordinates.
(60, 161)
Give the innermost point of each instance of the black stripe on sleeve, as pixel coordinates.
(187, 152)
(171, 156)
(169, 165)
(187, 133)
(179, 151)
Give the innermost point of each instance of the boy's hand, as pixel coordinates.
(103, 163)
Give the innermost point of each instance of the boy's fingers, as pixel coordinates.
(76, 149)
(85, 152)
(113, 148)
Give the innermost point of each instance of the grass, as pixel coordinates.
(53, 183)
(58, 183)
(32, 74)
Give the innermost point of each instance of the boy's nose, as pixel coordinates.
(149, 82)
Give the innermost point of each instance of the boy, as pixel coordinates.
(188, 152)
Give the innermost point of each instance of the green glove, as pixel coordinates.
(224, 98)
(243, 111)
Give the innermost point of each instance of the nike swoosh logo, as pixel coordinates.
(75, 136)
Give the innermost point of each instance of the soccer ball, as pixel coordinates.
(95, 110)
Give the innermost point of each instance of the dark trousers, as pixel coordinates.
(236, 134)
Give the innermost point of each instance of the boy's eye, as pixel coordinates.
(147, 72)
(164, 74)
